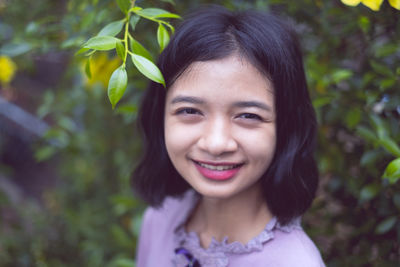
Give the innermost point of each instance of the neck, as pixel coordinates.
(240, 218)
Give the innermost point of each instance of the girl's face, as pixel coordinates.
(220, 129)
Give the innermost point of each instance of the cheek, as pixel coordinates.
(178, 138)
(260, 145)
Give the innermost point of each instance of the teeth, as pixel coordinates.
(217, 168)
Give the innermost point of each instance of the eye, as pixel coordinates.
(188, 111)
(250, 116)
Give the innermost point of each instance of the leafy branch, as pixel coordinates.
(106, 40)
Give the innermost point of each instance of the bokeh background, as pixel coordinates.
(66, 157)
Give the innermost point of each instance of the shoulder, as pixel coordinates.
(159, 224)
(294, 248)
(170, 214)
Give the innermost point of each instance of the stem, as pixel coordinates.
(128, 17)
(159, 21)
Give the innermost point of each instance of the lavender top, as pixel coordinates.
(163, 241)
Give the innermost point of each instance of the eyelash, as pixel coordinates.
(250, 116)
(188, 111)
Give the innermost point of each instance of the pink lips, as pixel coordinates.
(216, 174)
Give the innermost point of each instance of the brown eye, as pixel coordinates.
(188, 111)
(250, 116)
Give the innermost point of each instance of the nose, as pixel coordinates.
(217, 138)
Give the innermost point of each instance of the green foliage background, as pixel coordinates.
(89, 216)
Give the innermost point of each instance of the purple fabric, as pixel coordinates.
(163, 241)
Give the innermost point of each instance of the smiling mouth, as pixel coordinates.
(220, 167)
(218, 171)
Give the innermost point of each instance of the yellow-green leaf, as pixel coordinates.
(87, 69)
(392, 171)
(124, 5)
(351, 2)
(395, 4)
(112, 28)
(148, 68)
(120, 50)
(117, 85)
(101, 43)
(81, 51)
(162, 37)
(390, 145)
(366, 134)
(156, 13)
(134, 20)
(374, 5)
(138, 49)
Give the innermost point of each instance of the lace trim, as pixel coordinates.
(216, 253)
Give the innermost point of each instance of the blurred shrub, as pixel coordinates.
(352, 61)
(91, 218)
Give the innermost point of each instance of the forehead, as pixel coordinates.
(224, 78)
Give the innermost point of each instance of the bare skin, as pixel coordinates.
(240, 218)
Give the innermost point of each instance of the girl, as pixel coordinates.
(228, 166)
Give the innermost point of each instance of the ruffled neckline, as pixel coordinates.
(217, 252)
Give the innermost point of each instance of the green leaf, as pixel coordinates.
(120, 236)
(368, 192)
(127, 109)
(379, 125)
(138, 49)
(396, 200)
(134, 21)
(381, 69)
(87, 69)
(89, 53)
(72, 42)
(321, 101)
(340, 75)
(387, 83)
(156, 13)
(353, 117)
(370, 157)
(162, 37)
(148, 68)
(120, 50)
(101, 43)
(390, 146)
(14, 49)
(136, 224)
(127, 201)
(386, 225)
(81, 51)
(117, 85)
(364, 23)
(67, 124)
(124, 5)
(392, 171)
(44, 153)
(386, 50)
(112, 28)
(366, 134)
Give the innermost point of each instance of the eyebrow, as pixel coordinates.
(250, 104)
(187, 99)
(239, 104)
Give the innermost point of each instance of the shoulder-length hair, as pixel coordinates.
(267, 42)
